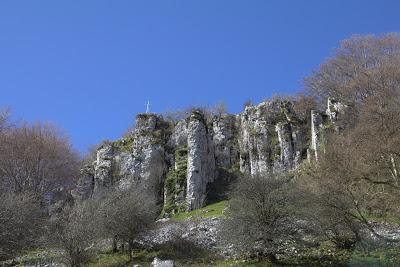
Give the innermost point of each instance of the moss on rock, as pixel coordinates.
(175, 184)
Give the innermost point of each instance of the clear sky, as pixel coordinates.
(90, 66)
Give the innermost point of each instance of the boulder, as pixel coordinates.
(160, 263)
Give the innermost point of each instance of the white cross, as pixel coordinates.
(148, 106)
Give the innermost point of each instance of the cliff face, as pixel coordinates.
(181, 163)
(271, 138)
(201, 161)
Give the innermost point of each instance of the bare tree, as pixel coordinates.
(261, 217)
(125, 215)
(357, 176)
(36, 158)
(219, 109)
(5, 123)
(360, 67)
(359, 173)
(21, 223)
(329, 203)
(209, 112)
(302, 106)
(75, 230)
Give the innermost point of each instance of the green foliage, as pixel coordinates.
(125, 144)
(198, 114)
(175, 183)
(286, 113)
(213, 210)
(253, 132)
(274, 148)
(387, 217)
(145, 116)
(36, 257)
(110, 260)
(157, 137)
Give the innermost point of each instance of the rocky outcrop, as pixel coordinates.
(287, 157)
(316, 132)
(334, 109)
(85, 185)
(180, 135)
(203, 232)
(269, 136)
(135, 160)
(324, 122)
(103, 170)
(226, 146)
(162, 263)
(201, 161)
(185, 163)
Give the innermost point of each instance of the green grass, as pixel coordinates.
(39, 256)
(109, 260)
(377, 258)
(232, 263)
(389, 218)
(213, 210)
(144, 258)
(225, 263)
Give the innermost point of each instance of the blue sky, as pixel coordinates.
(90, 66)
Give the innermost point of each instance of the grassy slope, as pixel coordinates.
(144, 258)
(213, 210)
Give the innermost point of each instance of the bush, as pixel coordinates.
(260, 217)
(125, 215)
(75, 231)
(21, 223)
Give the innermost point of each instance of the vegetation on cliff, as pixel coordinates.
(324, 210)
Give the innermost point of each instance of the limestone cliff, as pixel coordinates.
(201, 160)
(182, 163)
(271, 138)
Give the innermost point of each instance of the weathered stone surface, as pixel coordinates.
(265, 139)
(180, 134)
(136, 160)
(316, 130)
(203, 232)
(162, 263)
(225, 141)
(103, 170)
(85, 186)
(201, 162)
(268, 138)
(286, 145)
(334, 109)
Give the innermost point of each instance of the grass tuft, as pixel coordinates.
(213, 210)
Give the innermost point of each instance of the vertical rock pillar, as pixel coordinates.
(201, 162)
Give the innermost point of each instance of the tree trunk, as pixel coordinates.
(115, 245)
(130, 248)
(272, 258)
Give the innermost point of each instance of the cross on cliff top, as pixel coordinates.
(148, 106)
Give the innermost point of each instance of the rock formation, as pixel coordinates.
(316, 131)
(271, 138)
(181, 163)
(201, 161)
